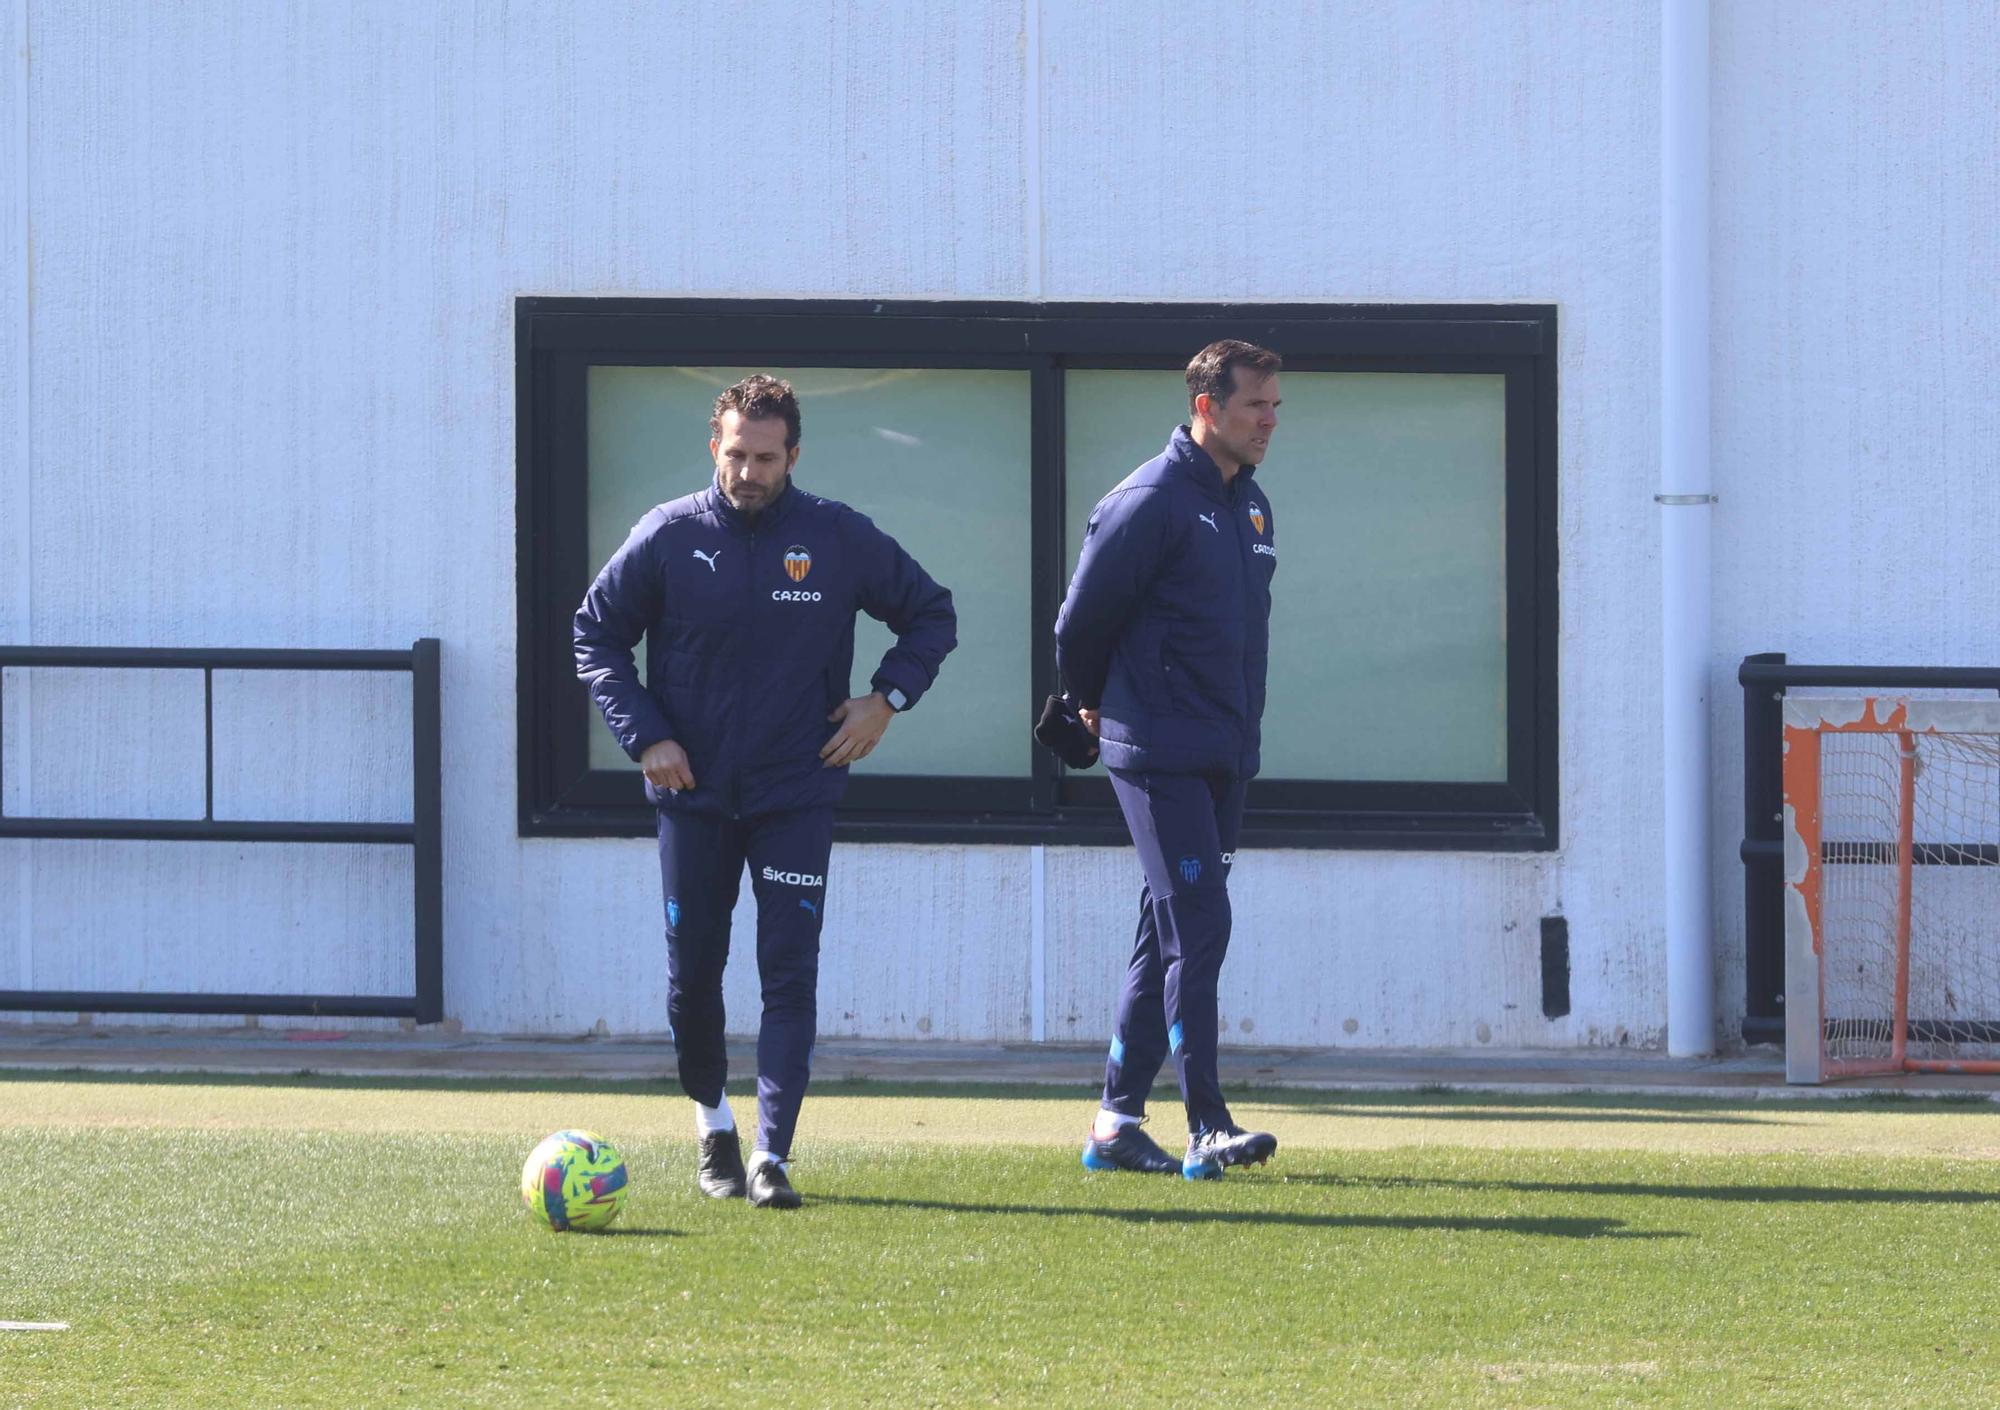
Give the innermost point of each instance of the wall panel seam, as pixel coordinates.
(1031, 148)
(21, 503)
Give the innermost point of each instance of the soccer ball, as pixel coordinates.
(574, 1181)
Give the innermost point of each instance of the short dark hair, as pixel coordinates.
(755, 398)
(1214, 368)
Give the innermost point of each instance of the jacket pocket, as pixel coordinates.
(1204, 686)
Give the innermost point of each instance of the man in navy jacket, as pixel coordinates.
(745, 594)
(1163, 640)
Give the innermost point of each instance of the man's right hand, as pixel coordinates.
(1089, 718)
(665, 765)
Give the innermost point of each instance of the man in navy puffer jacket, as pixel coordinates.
(745, 594)
(1163, 641)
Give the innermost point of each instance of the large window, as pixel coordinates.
(1412, 692)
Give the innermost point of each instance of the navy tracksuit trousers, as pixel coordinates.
(1185, 828)
(702, 857)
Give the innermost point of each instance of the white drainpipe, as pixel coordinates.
(1686, 511)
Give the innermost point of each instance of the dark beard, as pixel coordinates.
(750, 510)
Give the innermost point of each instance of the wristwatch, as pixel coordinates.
(897, 700)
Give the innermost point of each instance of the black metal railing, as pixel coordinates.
(423, 833)
(1765, 678)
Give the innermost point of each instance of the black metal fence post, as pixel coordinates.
(427, 803)
(1763, 855)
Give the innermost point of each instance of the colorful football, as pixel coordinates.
(574, 1182)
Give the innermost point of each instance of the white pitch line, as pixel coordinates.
(34, 1326)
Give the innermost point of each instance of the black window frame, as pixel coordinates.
(557, 340)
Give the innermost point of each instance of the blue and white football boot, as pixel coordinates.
(1131, 1149)
(1209, 1153)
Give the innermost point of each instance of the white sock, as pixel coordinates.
(1109, 1123)
(714, 1118)
(758, 1158)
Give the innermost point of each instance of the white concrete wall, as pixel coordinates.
(1856, 355)
(261, 371)
(1429, 152)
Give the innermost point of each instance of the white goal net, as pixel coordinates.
(1892, 886)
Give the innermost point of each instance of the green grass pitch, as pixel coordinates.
(321, 1242)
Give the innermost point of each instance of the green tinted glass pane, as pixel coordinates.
(938, 459)
(1388, 629)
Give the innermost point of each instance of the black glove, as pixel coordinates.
(1064, 733)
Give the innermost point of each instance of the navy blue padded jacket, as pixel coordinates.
(749, 630)
(1166, 627)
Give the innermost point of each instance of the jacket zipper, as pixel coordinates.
(1246, 596)
(743, 685)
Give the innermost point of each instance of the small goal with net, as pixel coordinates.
(1892, 886)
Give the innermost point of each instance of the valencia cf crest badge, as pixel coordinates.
(1257, 517)
(798, 563)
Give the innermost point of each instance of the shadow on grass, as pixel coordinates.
(1749, 1194)
(1450, 1111)
(1543, 1228)
(637, 1231)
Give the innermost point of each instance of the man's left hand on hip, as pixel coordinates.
(862, 721)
